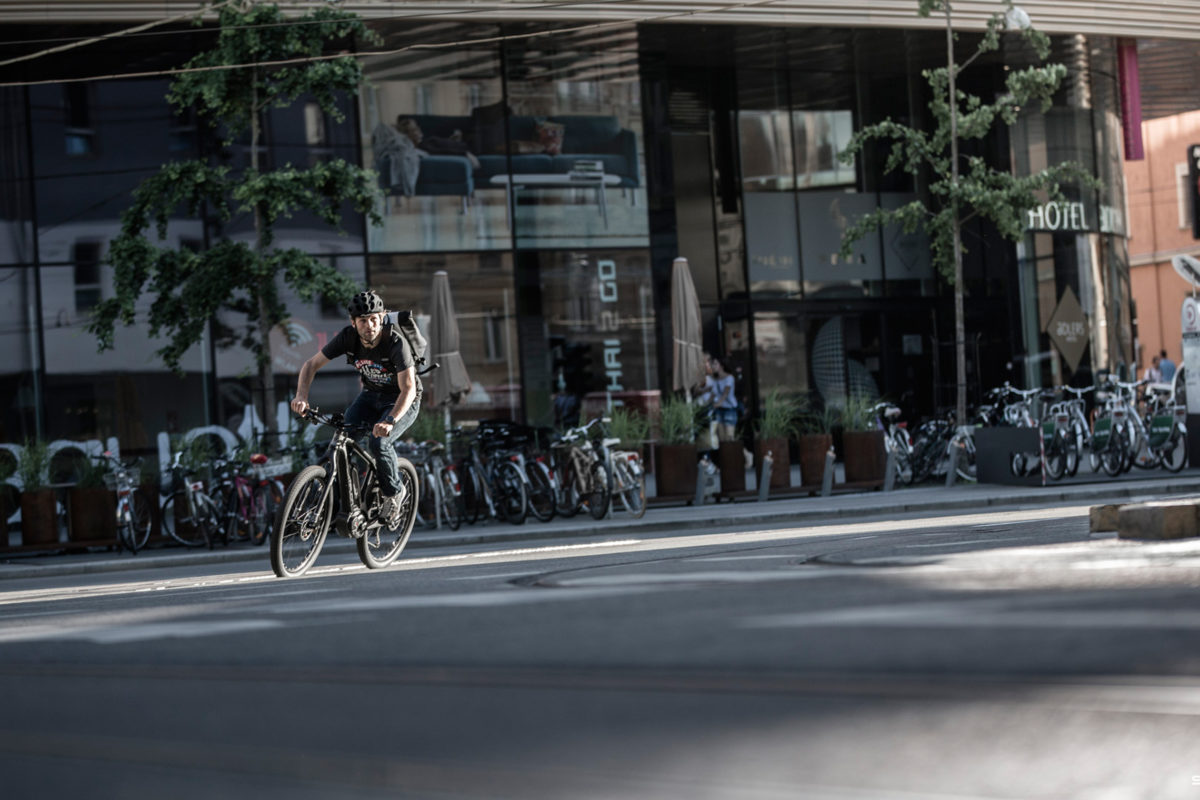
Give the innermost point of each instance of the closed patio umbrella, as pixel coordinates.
(450, 380)
(685, 328)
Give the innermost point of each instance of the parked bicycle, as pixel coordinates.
(134, 516)
(248, 499)
(341, 492)
(189, 515)
(895, 439)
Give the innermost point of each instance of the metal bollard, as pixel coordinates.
(764, 480)
(703, 478)
(889, 477)
(952, 469)
(827, 482)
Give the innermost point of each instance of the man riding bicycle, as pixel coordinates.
(391, 394)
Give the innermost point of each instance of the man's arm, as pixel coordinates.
(299, 403)
(407, 381)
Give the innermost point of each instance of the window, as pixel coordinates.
(86, 256)
(493, 335)
(1183, 195)
(77, 116)
(316, 134)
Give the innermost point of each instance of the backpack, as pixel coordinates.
(406, 326)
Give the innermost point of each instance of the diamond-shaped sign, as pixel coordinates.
(1068, 329)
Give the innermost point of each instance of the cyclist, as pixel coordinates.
(391, 394)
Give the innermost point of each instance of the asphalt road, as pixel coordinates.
(1006, 654)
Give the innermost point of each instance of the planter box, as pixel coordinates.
(865, 456)
(732, 461)
(675, 469)
(39, 517)
(781, 469)
(93, 515)
(813, 447)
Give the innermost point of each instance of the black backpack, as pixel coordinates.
(406, 326)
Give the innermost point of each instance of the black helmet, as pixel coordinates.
(365, 303)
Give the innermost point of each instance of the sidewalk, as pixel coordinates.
(658, 520)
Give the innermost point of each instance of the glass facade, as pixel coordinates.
(555, 177)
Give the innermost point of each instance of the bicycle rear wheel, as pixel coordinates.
(599, 493)
(472, 493)
(302, 523)
(510, 495)
(380, 547)
(264, 507)
(179, 524)
(568, 500)
(1175, 454)
(541, 491)
(452, 512)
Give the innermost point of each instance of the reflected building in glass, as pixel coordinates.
(555, 168)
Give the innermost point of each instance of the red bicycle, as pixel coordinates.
(248, 499)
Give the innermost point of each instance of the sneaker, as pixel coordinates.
(389, 509)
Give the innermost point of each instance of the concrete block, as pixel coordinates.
(1104, 518)
(1159, 520)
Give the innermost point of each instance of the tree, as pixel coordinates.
(958, 191)
(232, 85)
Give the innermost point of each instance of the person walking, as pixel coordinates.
(1153, 373)
(391, 394)
(1166, 367)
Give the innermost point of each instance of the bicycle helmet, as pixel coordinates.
(366, 303)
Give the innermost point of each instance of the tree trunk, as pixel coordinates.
(266, 373)
(960, 337)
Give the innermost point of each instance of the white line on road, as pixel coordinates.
(123, 634)
(968, 541)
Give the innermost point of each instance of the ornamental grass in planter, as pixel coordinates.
(777, 425)
(39, 515)
(93, 508)
(675, 462)
(815, 442)
(630, 426)
(863, 450)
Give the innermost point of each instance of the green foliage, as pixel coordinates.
(427, 426)
(90, 472)
(677, 421)
(979, 190)
(822, 421)
(187, 289)
(781, 415)
(33, 466)
(856, 414)
(196, 455)
(630, 426)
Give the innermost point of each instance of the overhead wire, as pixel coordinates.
(396, 51)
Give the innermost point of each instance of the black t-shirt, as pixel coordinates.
(377, 365)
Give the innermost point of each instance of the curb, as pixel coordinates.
(722, 515)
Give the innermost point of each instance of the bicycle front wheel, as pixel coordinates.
(136, 528)
(381, 546)
(302, 523)
(451, 499)
(599, 493)
(179, 524)
(1175, 454)
(541, 491)
(633, 487)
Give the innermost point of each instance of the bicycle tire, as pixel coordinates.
(233, 524)
(600, 492)
(178, 523)
(380, 547)
(427, 503)
(471, 483)
(540, 491)
(633, 496)
(136, 529)
(1177, 449)
(264, 507)
(510, 496)
(451, 499)
(569, 500)
(302, 524)
(209, 519)
(1112, 458)
(1056, 458)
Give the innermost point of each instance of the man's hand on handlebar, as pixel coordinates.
(299, 406)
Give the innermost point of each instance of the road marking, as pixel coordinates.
(490, 599)
(124, 634)
(969, 541)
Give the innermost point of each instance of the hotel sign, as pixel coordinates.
(1074, 216)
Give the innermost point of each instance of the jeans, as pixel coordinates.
(371, 407)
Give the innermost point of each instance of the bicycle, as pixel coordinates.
(249, 502)
(440, 491)
(134, 517)
(583, 476)
(189, 515)
(341, 492)
(495, 486)
(895, 439)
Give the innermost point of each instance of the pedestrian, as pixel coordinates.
(1166, 366)
(391, 395)
(1153, 373)
(723, 400)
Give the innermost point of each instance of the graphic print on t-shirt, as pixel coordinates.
(374, 373)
